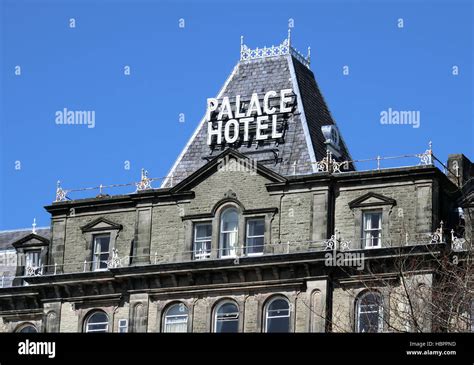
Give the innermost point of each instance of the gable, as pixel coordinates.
(227, 166)
(101, 224)
(370, 200)
(301, 143)
(31, 240)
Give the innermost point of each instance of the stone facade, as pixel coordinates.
(326, 251)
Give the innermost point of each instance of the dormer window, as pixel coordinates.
(372, 232)
(32, 261)
(101, 252)
(101, 235)
(331, 139)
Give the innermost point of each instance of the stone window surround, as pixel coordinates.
(264, 299)
(385, 293)
(291, 309)
(358, 208)
(89, 232)
(168, 306)
(22, 325)
(163, 307)
(221, 301)
(22, 248)
(84, 315)
(214, 217)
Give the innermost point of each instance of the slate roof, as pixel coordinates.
(9, 237)
(304, 141)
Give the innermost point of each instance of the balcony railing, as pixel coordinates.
(328, 164)
(334, 243)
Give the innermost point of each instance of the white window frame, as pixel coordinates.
(201, 254)
(123, 325)
(87, 330)
(37, 265)
(216, 312)
(180, 316)
(365, 230)
(233, 250)
(96, 261)
(267, 317)
(258, 236)
(380, 310)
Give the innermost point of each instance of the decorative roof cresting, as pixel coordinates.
(284, 48)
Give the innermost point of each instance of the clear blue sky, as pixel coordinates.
(174, 70)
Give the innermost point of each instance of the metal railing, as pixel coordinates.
(236, 253)
(327, 164)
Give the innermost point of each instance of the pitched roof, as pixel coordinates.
(9, 237)
(303, 142)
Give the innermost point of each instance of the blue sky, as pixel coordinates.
(174, 70)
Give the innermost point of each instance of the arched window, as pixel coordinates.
(226, 317)
(369, 312)
(27, 328)
(229, 232)
(176, 318)
(97, 322)
(277, 315)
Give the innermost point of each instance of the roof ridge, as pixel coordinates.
(22, 229)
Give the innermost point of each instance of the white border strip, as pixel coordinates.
(309, 142)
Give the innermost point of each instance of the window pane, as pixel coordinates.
(203, 230)
(227, 318)
(32, 258)
(370, 313)
(372, 229)
(278, 316)
(229, 232)
(256, 227)
(202, 240)
(230, 220)
(255, 236)
(28, 329)
(97, 322)
(101, 252)
(176, 319)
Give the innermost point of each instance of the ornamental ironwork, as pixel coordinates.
(457, 244)
(330, 244)
(33, 271)
(437, 236)
(114, 261)
(426, 158)
(282, 49)
(61, 194)
(145, 182)
(329, 164)
(345, 245)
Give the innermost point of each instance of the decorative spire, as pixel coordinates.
(33, 230)
(289, 37)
